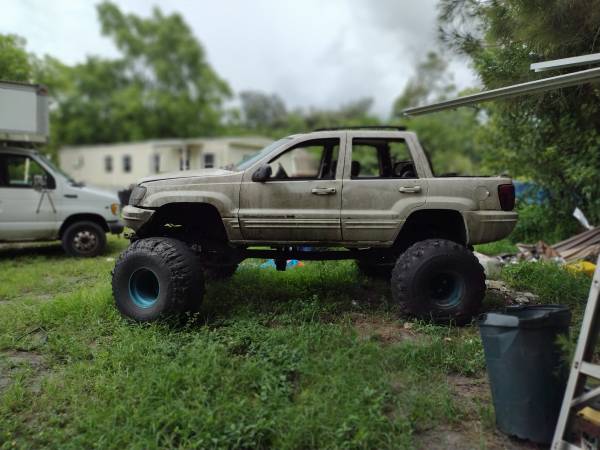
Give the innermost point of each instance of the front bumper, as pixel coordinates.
(115, 227)
(489, 226)
(135, 217)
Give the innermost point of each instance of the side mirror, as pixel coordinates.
(262, 174)
(40, 182)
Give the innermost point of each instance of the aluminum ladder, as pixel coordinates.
(576, 395)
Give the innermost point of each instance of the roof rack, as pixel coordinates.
(366, 127)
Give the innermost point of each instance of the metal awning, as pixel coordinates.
(563, 63)
(530, 87)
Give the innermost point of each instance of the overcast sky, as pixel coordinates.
(310, 52)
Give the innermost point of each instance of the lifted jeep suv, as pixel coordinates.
(363, 194)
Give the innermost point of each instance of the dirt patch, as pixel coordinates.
(382, 330)
(472, 432)
(469, 436)
(13, 361)
(474, 388)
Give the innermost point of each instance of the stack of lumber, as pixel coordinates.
(585, 245)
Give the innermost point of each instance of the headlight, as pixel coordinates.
(137, 195)
(114, 208)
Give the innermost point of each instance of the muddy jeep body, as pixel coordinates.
(332, 205)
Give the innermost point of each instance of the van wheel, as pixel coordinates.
(84, 239)
(439, 280)
(156, 277)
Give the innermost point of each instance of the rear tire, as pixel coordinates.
(84, 239)
(439, 280)
(157, 277)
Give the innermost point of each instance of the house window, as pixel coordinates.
(184, 159)
(155, 163)
(209, 160)
(79, 163)
(108, 164)
(127, 163)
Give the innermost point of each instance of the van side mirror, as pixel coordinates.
(262, 174)
(40, 182)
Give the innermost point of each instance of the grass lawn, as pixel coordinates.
(314, 357)
(497, 248)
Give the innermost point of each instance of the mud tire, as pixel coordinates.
(438, 280)
(157, 277)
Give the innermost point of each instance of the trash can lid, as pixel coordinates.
(534, 316)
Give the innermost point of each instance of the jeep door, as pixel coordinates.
(381, 186)
(301, 199)
(26, 213)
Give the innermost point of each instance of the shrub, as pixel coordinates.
(542, 222)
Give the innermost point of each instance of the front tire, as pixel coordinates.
(84, 239)
(439, 280)
(157, 277)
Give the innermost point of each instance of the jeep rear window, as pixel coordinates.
(243, 165)
(381, 158)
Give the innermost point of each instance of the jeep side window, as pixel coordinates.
(17, 171)
(381, 158)
(311, 160)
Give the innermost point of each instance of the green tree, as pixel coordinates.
(14, 60)
(551, 138)
(262, 111)
(450, 138)
(161, 86)
(267, 114)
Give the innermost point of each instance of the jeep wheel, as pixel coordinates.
(374, 270)
(85, 239)
(440, 280)
(156, 277)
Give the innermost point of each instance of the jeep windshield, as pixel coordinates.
(243, 165)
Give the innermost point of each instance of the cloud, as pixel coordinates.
(310, 52)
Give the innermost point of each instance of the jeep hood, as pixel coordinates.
(202, 173)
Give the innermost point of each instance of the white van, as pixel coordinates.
(38, 202)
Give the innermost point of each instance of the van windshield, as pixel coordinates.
(243, 165)
(55, 169)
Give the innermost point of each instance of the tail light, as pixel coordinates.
(506, 195)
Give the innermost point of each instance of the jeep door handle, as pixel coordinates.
(410, 189)
(324, 191)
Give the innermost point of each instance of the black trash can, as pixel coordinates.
(526, 373)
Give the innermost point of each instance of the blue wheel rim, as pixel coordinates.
(144, 288)
(446, 289)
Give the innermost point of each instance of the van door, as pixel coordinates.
(26, 213)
